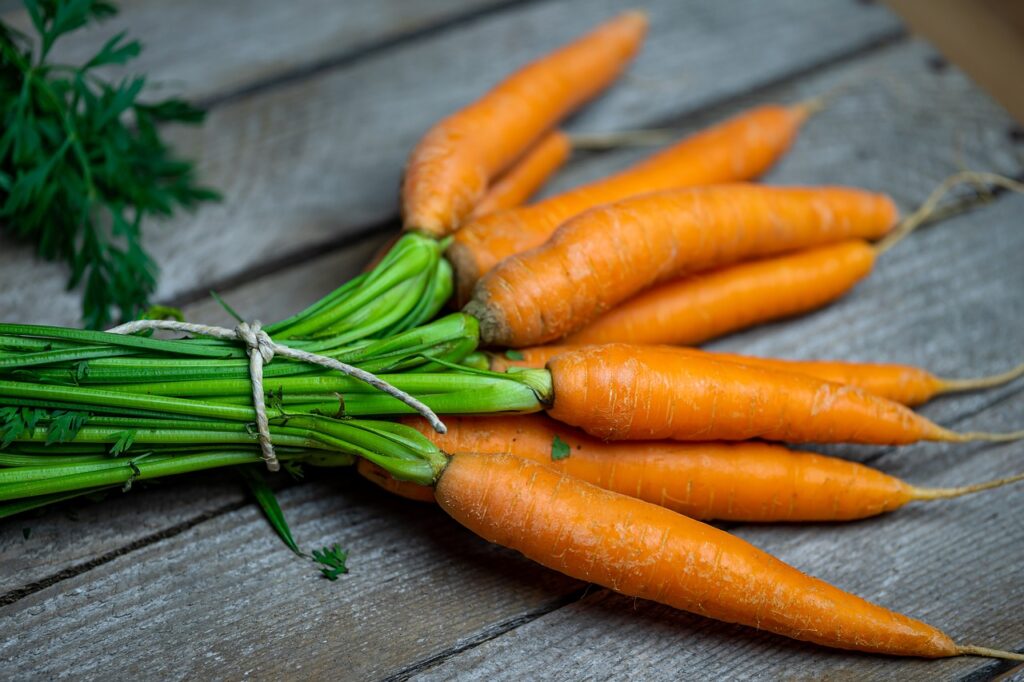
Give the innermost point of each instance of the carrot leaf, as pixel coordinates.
(559, 449)
(512, 354)
(333, 560)
(268, 503)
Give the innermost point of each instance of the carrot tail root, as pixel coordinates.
(989, 653)
(949, 493)
(978, 383)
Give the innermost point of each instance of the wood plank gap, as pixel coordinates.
(30, 589)
(493, 631)
(307, 252)
(878, 44)
(359, 53)
(996, 672)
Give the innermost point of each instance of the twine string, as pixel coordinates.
(261, 349)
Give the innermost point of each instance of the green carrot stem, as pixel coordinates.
(128, 471)
(127, 341)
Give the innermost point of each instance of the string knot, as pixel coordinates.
(261, 349)
(256, 339)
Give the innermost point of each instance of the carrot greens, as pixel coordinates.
(82, 164)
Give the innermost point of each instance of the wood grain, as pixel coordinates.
(312, 162)
(418, 584)
(206, 50)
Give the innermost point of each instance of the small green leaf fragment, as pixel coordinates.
(512, 354)
(332, 559)
(268, 503)
(559, 449)
(125, 439)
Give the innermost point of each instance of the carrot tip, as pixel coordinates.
(948, 493)
(989, 653)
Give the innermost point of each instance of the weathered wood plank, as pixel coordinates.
(97, 530)
(205, 50)
(430, 584)
(955, 565)
(320, 159)
(253, 608)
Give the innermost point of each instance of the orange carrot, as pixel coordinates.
(608, 254)
(741, 148)
(527, 175)
(748, 481)
(707, 305)
(452, 166)
(643, 550)
(623, 392)
(900, 383)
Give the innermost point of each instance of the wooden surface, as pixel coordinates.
(186, 580)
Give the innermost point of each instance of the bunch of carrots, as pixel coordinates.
(643, 439)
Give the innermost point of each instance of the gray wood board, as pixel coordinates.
(86, 532)
(319, 160)
(173, 610)
(422, 590)
(206, 50)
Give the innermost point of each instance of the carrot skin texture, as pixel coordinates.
(643, 550)
(624, 392)
(708, 305)
(451, 167)
(752, 482)
(903, 384)
(528, 174)
(609, 254)
(741, 148)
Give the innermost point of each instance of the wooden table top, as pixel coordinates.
(313, 107)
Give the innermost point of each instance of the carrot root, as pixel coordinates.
(988, 653)
(1008, 437)
(929, 209)
(979, 383)
(959, 491)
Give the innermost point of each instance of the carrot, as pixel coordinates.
(643, 550)
(527, 175)
(623, 392)
(704, 306)
(708, 305)
(452, 166)
(741, 148)
(749, 481)
(608, 254)
(900, 383)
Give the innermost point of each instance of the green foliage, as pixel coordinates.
(81, 162)
(15, 421)
(125, 439)
(512, 354)
(64, 426)
(559, 449)
(267, 501)
(332, 560)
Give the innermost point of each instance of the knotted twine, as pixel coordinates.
(261, 349)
